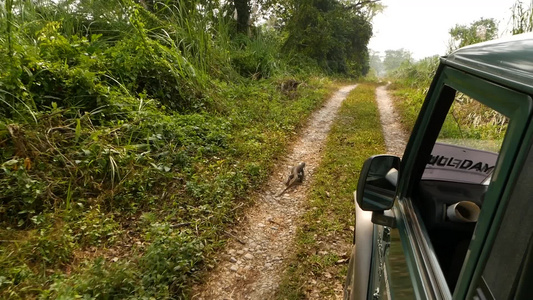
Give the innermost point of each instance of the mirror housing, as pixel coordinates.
(376, 188)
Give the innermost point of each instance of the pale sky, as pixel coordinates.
(422, 26)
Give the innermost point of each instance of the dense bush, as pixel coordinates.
(332, 33)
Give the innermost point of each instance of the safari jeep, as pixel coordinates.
(453, 218)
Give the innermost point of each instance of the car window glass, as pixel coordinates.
(506, 261)
(456, 177)
(468, 143)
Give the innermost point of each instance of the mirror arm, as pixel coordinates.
(384, 217)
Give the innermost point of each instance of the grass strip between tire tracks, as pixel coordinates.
(324, 238)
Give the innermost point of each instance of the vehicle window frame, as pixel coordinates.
(517, 107)
(518, 188)
(433, 113)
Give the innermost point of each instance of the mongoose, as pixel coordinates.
(296, 176)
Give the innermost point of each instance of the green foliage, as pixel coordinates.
(333, 35)
(170, 259)
(22, 195)
(99, 279)
(396, 58)
(52, 246)
(522, 17)
(155, 71)
(467, 119)
(411, 83)
(478, 31)
(255, 57)
(376, 65)
(94, 179)
(94, 228)
(416, 74)
(13, 274)
(409, 103)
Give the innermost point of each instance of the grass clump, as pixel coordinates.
(324, 239)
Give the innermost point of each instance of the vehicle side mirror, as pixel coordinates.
(376, 188)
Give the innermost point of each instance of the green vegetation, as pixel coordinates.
(331, 34)
(478, 31)
(411, 80)
(410, 85)
(394, 59)
(131, 134)
(522, 17)
(320, 255)
(468, 119)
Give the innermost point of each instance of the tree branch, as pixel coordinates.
(359, 4)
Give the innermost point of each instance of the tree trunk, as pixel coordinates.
(243, 15)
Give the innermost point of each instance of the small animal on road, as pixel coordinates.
(295, 177)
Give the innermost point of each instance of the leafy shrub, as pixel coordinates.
(255, 58)
(332, 35)
(22, 195)
(52, 246)
(100, 279)
(95, 228)
(169, 259)
(417, 74)
(13, 275)
(411, 84)
(65, 71)
(145, 66)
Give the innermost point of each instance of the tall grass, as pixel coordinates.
(416, 74)
(410, 85)
(522, 17)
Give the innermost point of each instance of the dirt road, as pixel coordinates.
(395, 136)
(252, 264)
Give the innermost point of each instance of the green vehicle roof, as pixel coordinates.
(506, 61)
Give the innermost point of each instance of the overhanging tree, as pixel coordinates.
(333, 33)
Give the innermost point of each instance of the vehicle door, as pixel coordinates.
(452, 181)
